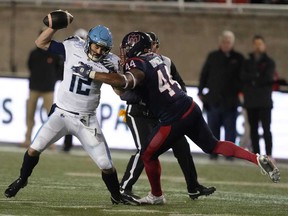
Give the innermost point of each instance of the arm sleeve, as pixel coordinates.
(57, 48)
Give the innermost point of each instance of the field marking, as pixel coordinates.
(137, 210)
(21, 201)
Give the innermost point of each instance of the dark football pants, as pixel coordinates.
(141, 123)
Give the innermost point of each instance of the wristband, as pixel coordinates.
(92, 74)
(133, 78)
(126, 81)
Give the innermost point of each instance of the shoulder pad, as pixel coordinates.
(112, 56)
(76, 38)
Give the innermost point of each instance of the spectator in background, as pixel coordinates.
(258, 77)
(219, 87)
(45, 69)
(68, 143)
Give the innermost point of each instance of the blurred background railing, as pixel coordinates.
(233, 6)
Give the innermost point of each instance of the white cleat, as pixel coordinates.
(268, 167)
(150, 199)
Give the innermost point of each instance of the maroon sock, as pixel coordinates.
(229, 149)
(153, 171)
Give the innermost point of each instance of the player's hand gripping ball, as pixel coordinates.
(58, 19)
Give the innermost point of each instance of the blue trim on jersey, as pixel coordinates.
(57, 48)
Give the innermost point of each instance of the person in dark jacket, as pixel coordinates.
(257, 76)
(219, 87)
(45, 69)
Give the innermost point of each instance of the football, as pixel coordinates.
(58, 19)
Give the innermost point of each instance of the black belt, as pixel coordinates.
(74, 113)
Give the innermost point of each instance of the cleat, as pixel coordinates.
(124, 199)
(268, 167)
(129, 193)
(115, 200)
(13, 188)
(129, 200)
(201, 191)
(150, 199)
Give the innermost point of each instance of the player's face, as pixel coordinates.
(154, 47)
(97, 51)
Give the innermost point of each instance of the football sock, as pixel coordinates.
(28, 165)
(153, 171)
(229, 149)
(112, 183)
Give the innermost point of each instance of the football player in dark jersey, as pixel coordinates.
(178, 114)
(141, 122)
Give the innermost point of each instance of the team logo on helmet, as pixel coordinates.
(133, 38)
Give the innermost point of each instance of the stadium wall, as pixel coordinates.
(185, 37)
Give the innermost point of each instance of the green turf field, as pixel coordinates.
(70, 184)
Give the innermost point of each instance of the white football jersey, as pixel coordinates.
(76, 94)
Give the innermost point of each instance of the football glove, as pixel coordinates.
(83, 70)
(109, 65)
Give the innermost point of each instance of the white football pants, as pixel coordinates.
(85, 127)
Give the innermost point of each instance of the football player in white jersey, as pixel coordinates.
(75, 107)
